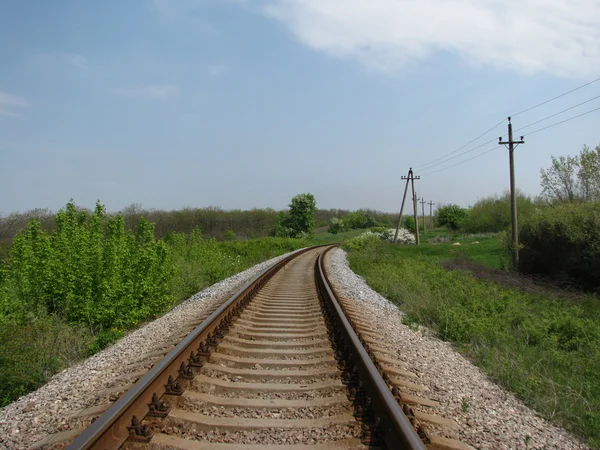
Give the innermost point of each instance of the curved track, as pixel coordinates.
(278, 365)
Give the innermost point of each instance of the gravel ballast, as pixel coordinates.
(49, 409)
(495, 418)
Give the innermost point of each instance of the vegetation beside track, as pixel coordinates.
(68, 293)
(541, 343)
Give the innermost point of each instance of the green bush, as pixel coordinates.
(229, 235)
(451, 216)
(90, 271)
(492, 214)
(336, 226)
(409, 224)
(563, 241)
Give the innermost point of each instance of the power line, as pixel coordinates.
(466, 145)
(462, 162)
(558, 113)
(528, 134)
(563, 121)
(557, 97)
(431, 164)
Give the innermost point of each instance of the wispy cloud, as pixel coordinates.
(9, 102)
(149, 91)
(559, 37)
(60, 59)
(216, 70)
(183, 13)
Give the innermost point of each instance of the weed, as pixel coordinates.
(465, 405)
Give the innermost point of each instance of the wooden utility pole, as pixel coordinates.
(431, 213)
(415, 200)
(409, 178)
(410, 173)
(423, 212)
(513, 192)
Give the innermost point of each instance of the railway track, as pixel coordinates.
(278, 365)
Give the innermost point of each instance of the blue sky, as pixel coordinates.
(245, 103)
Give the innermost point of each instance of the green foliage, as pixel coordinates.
(409, 224)
(492, 214)
(359, 220)
(451, 216)
(563, 241)
(365, 240)
(544, 348)
(573, 178)
(302, 214)
(72, 291)
(229, 235)
(32, 351)
(300, 221)
(335, 226)
(90, 271)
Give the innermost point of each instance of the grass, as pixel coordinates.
(544, 347)
(481, 249)
(324, 237)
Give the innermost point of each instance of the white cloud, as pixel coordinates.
(216, 70)
(559, 37)
(9, 102)
(149, 91)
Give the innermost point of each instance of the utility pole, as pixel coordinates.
(513, 192)
(431, 213)
(408, 179)
(415, 200)
(423, 212)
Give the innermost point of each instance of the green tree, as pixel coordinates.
(300, 220)
(451, 216)
(572, 178)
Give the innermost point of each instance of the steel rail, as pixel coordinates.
(396, 430)
(110, 430)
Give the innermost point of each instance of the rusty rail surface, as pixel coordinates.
(124, 418)
(393, 427)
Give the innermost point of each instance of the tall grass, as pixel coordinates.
(544, 348)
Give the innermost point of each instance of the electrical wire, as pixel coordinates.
(558, 113)
(563, 121)
(528, 134)
(425, 166)
(461, 162)
(557, 97)
(431, 164)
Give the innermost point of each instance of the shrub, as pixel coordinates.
(229, 235)
(409, 224)
(359, 220)
(563, 241)
(335, 226)
(451, 216)
(492, 214)
(89, 271)
(364, 240)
